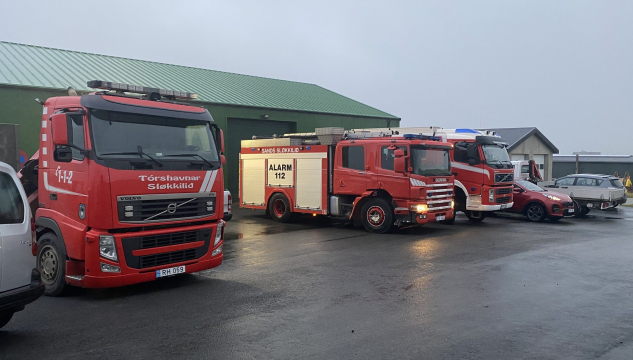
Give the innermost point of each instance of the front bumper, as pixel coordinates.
(132, 258)
(481, 207)
(405, 217)
(16, 299)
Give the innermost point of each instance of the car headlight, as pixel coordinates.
(491, 195)
(552, 197)
(218, 234)
(419, 208)
(107, 247)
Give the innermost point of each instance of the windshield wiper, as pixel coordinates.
(194, 155)
(139, 153)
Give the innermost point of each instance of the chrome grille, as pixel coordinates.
(168, 207)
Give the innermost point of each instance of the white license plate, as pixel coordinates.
(440, 218)
(170, 272)
(570, 210)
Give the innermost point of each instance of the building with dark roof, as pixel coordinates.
(592, 164)
(241, 105)
(529, 143)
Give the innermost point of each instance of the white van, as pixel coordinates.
(20, 282)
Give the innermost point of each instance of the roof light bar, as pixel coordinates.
(108, 85)
(421, 137)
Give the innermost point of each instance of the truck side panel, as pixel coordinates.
(309, 189)
(253, 181)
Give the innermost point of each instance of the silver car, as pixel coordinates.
(20, 282)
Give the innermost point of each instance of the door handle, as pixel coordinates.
(361, 172)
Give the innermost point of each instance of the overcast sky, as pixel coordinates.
(565, 67)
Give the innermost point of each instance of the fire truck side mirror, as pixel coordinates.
(222, 141)
(59, 128)
(472, 152)
(399, 161)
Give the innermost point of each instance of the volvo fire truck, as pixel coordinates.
(481, 165)
(127, 187)
(370, 178)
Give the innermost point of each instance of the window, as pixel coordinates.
(565, 181)
(77, 139)
(354, 157)
(460, 154)
(588, 182)
(617, 183)
(386, 156)
(11, 206)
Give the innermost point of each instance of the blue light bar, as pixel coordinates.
(466, 131)
(421, 137)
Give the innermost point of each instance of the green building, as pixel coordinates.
(241, 105)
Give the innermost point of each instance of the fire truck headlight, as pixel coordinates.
(491, 195)
(110, 268)
(217, 251)
(107, 247)
(452, 204)
(218, 234)
(419, 208)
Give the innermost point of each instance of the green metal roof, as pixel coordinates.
(36, 66)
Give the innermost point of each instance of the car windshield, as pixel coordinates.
(496, 154)
(529, 186)
(159, 137)
(430, 162)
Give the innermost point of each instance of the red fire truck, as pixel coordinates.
(481, 165)
(127, 188)
(374, 179)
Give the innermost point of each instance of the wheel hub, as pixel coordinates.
(48, 265)
(375, 216)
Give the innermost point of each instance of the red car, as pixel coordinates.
(537, 204)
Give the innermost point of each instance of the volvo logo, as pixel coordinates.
(171, 208)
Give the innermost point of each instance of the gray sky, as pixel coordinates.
(563, 66)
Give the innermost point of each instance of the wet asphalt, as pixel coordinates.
(502, 289)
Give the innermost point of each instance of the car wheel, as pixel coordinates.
(536, 212)
(5, 317)
(279, 208)
(377, 216)
(475, 216)
(51, 262)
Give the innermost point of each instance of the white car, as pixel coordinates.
(20, 282)
(228, 214)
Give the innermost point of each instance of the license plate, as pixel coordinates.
(505, 206)
(170, 272)
(571, 210)
(440, 218)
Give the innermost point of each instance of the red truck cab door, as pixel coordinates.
(396, 184)
(350, 174)
(469, 171)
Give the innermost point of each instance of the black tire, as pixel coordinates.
(279, 208)
(556, 218)
(5, 317)
(475, 216)
(585, 210)
(377, 216)
(535, 212)
(51, 262)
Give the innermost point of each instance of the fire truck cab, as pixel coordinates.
(127, 188)
(481, 166)
(373, 179)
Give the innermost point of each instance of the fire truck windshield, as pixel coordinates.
(497, 155)
(430, 162)
(121, 135)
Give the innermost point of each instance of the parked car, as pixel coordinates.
(228, 214)
(20, 283)
(537, 204)
(591, 191)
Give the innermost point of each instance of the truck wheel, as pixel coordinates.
(51, 262)
(5, 317)
(377, 216)
(535, 212)
(475, 216)
(279, 208)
